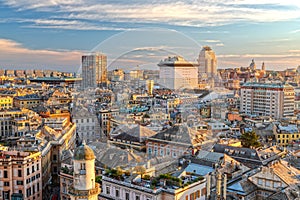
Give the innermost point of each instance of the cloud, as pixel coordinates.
(211, 41)
(295, 31)
(294, 51)
(182, 13)
(31, 58)
(64, 24)
(220, 45)
(272, 61)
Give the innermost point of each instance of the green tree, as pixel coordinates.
(250, 139)
(98, 179)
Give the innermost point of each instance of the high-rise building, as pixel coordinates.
(207, 62)
(267, 99)
(176, 73)
(94, 70)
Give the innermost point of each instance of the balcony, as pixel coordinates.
(94, 191)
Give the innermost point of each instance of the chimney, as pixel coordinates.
(208, 186)
(224, 185)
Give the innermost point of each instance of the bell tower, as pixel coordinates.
(84, 186)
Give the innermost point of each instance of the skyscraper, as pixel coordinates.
(207, 62)
(94, 70)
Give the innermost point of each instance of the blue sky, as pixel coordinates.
(55, 33)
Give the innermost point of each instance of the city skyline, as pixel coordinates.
(54, 34)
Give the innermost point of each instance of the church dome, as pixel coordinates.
(84, 152)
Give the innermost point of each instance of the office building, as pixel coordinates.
(94, 70)
(176, 73)
(207, 62)
(267, 99)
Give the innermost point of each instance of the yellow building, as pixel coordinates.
(286, 135)
(6, 102)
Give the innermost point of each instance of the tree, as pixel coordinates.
(98, 179)
(250, 139)
(140, 170)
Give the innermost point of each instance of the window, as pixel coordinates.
(127, 196)
(161, 151)
(19, 182)
(203, 192)
(37, 166)
(54, 157)
(28, 192)
(117, 193)
(268, 183)
(6, 183)
(192, 196)
(137, 197)
(32, 168)
(155, 151)
(5, 174)
(82, 166)
(19, 173)
(174, 153)
(198, 194)
(107, 190)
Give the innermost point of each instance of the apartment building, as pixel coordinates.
(286, 135)
(267, 99)
(88, 126)
(116, 189)
(20, 175)
(6, 102)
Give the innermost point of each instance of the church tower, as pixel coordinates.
(84, 186)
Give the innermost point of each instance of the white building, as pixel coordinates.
(267, 99)
(176, 73)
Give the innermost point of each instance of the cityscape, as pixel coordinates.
(149, 100)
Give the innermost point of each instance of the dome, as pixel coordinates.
(84, 152)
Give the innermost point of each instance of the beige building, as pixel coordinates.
(16, 122)
(20, 175)
(267, 99)
(176, 73)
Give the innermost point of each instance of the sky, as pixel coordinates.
(53, 34)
